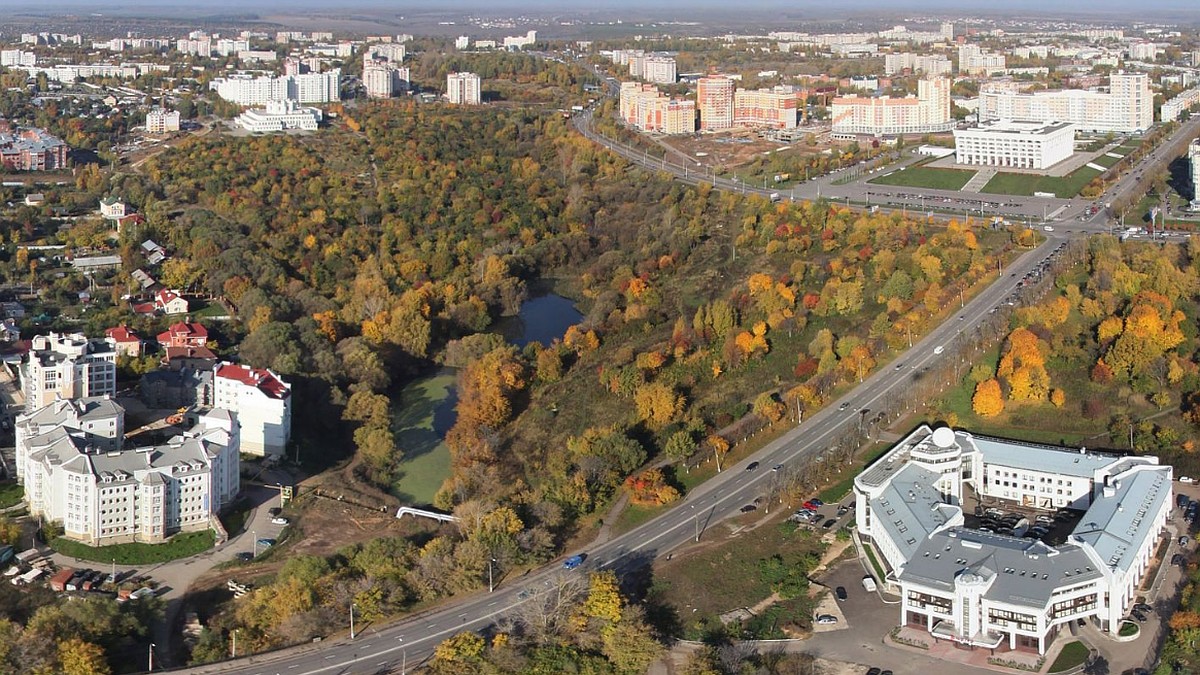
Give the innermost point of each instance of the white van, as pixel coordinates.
(868, 583)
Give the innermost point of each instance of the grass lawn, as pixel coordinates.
(926, 177)
(728, 576)
(1026, 184)
(1128, 629)
(234, 520)
(879, 571)
(180, 546)
(11, 494)
(424, 413)
(1106, 161)
(636, 514)
(1072, 654)
(208, 310)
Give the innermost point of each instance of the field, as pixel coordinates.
(926, 177)
(424, 412)
(180, 546)
(1072, 654)
(729, 575)
(11, 494)
(1064, 187)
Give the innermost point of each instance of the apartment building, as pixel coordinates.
(1194, 164)
(775, 108)
(1014, 145)
(931, 65)
(393, 52)
(714, 100)
(263, 405)
(1001, 592)
(644, 107)
(159, 121)
(974, 61)
(657, 69)
(313, 87)
(29, 149)
(70, 461)
(1127, 106)
(1172, 109)
(463, 89)
(379, 79)
(927, 112)
(15, 58)
(68, 367)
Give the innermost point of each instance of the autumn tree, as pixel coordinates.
(657, 403)
(78, 657)
(988, 400)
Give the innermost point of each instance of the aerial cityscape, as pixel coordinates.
(533, 338)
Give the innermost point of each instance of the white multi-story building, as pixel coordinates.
(1194, 163)
(1172, 109)
(972, 60)
(378, 80)
(195, 47)
(159, 121)
(68, 367)
(279, 116)
(1127, 106)
(388, 50)
(463, 89)
(226, 47)
(932, 65)
(10, 58)
(462, 42)
(775, 108)
(245, 89)
(646, 108)
(263, 405)
(1016, 145)
(927, 112)
(521, 41)
(1143, 51)
(69, 459)
(257, 55)
(657, 69)
(980, 589)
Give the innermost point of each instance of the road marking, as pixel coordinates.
(330, 656)
(382, 663)
(294, 665)
(492, 603)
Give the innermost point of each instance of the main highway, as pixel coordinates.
(402, 645)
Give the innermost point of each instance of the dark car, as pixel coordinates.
(830, 523)
(274, 511)
(1143, 607)
(874, 671)
(752, 466)
(1177, 559)
(840, 593)
(748, 508)
(1139, 616)
(843, 510)
(244, 556)
(573, 562)
(817, 502)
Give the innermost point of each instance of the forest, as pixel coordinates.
(358, 257)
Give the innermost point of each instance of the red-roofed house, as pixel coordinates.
(184, 334)
(263, 404)
(170, 302)
(126, 341)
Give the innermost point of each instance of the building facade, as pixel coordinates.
(312, 87)
(1127, 106)
(714, 100)
(1194, 164)
(1001, 592)
(279, 116)
(927, 112)
(28, 149)
(464, 89)
(930, 65)
(1185, 101)
(70, 461)
(262, 402)
(159, 121)
(776, 108)
(68, 367)
(1016, 145)
(972, 60)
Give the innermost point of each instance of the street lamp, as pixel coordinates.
(352, 621)
(491, 586)
(254, 539)
(151, 664)
(233, 650)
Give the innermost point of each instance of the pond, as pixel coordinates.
(424, 410)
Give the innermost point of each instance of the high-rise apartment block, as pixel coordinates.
(1194, 163)
(643, 106)
(657, 69)
(391, 51)
(159, 121)
(775, 108)
(930, 65)
(714, 100)
(927, 112)
(68, 367)
(262, 402)
(1127, 106)
(307, 88)
(972, 60)
(463, 89)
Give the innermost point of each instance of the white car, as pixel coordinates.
(279, 520)
(1048, 228)
(826, 619)
(939, 349)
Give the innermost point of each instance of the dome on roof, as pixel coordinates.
(943, 437)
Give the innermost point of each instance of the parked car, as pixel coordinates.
(274, 511)
(1143, 607)
(279, 520)
(573, 562)
(1177, 559)
(244, 556)
(826, 619)
(748, 508)
(809, 506)
(817, 502)
(842, 510)
(840, 593)
(266, 542)
(830, 523)
(1184, 540)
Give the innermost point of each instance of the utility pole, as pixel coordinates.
(151, 664)
(491, 586)
(352, 621)
(233, 651)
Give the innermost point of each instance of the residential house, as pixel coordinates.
(126, 341)
(262, 402)
(184, 334)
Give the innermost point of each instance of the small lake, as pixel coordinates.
(424, 410)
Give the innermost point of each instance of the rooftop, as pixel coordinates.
(910, 508)
(1020, 128)
(1121, 515)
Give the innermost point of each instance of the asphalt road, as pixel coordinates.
(406, 643)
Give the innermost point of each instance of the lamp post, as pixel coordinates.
(151, 663)
(233, 650)
(254, 539)
(352, 621)
(491, 586)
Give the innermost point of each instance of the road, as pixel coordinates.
(387, 648)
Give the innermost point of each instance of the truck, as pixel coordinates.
(27, 578)
(868, 583)
(775, 197)
(58, 582)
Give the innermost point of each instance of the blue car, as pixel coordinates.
(572, 562)
(266, 542)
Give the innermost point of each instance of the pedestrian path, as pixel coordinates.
(980, 179)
